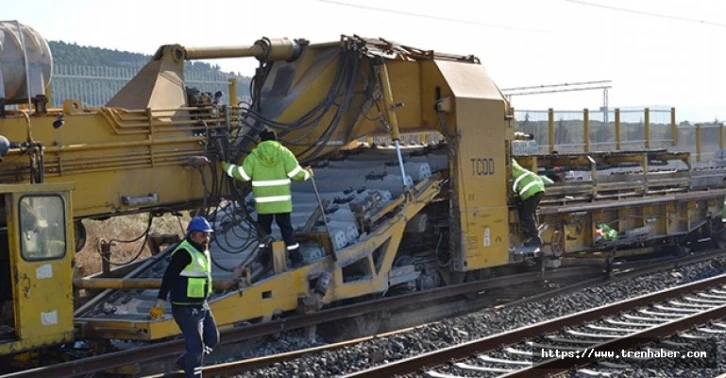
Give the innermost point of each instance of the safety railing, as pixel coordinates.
(567, 131)
(95, 85)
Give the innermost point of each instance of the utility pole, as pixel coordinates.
(604, 108)
(603, 85)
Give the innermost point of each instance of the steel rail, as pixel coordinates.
(237, 367)
(413, 364)
(621, 272)
(157, 351)
(556, 366)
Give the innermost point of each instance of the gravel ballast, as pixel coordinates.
(461, 329)
(661, 362)
(661, 366)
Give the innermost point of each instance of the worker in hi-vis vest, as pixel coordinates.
(271, 167)
(530, 188)
(188, 282)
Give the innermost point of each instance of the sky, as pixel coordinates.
(654, 53)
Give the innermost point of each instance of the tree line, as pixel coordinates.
(96, 92)
(74, 54)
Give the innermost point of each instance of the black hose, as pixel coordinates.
(145, 235)
(237, 218)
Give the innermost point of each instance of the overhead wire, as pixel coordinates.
(644, 13)
(431, 17)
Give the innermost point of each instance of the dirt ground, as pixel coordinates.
(122, 229)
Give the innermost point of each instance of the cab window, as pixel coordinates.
(42, 227)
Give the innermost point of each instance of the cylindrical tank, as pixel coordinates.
(15, 79)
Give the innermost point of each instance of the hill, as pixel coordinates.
(94, 74)
(72, 53)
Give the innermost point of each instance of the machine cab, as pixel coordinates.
(36, 254)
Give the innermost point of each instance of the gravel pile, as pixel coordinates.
(457, 330)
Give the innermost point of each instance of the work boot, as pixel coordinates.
(533, 242)
(295, 257)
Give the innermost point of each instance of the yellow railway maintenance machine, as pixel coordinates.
(397, 219)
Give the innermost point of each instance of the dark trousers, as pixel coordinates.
(528, 218)
(288, 233)
(200, 336)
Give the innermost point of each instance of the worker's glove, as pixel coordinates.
(225, 167)
(310, 171)
(158, 310)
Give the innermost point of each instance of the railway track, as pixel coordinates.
(151, 354)
(231, 368)
(622, 272)
(154, 352)
(557, 346)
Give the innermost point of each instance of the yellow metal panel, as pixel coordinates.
(110, 154)
(480, 177)
(435, 85)
(470, 81)
(42, 290)
(405, 78)
(35, 188)
(36, 342)
(485, 237)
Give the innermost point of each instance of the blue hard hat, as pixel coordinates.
(199, 224)
(4, 146)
